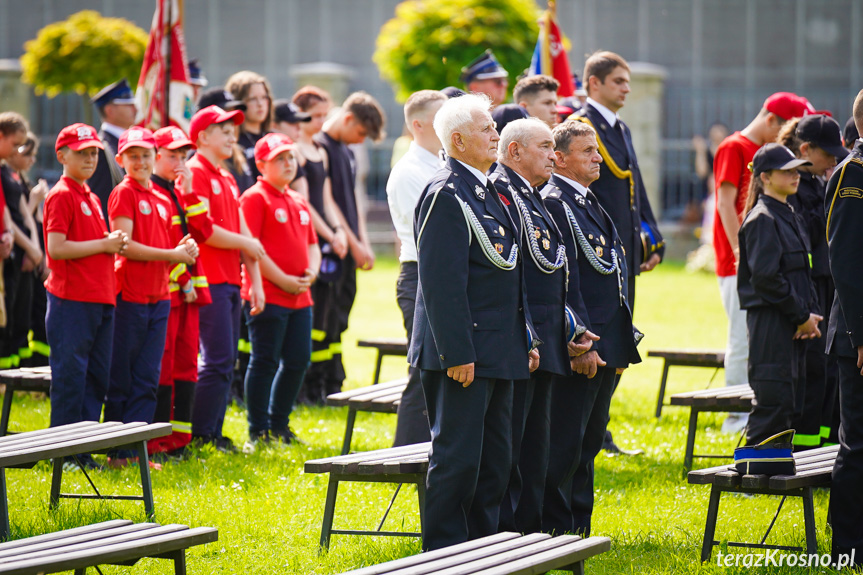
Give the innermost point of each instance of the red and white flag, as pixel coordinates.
(165, 59)
(549, 55)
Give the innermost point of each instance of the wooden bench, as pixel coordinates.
(24, 450)
(733, 399)
(684, 357)
(380, 398)
(385, 347)
(407, 464)
(500, 554)
(33, 379)
(814, 469)
(115, 542)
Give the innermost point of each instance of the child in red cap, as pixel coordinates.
(143, 304)
(213, 132)
(281, 335)
(188, 288)
(81, 288)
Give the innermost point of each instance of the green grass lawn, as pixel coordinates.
(269, 512)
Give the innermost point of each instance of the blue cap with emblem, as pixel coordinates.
(484, 67)
(117, 93)
(196, 75)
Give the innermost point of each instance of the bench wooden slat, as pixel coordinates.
(392, 346)
(66, 538)
(341, 398)
(324, 465)
(376, 465)
(38, 539)
(26, 440)
(712, 358)
(389, 566)
(540, 563)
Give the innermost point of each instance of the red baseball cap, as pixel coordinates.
(788, 105)
(172, 138)
(77, 137)
(210, 115)
(271, 146)
(136, 137)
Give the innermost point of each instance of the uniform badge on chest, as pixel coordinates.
(499, 247)
(217, 189)
(480, 192)
(86, 209)
(281, 215)
(546, 245)
(599, 251)
(144, 207)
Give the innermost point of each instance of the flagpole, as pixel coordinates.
(166, 113)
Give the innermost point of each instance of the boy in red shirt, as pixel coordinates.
(281, 335)
(81, 288)
(143, 303)
(731, 174)
(213, 131)
(188, 288)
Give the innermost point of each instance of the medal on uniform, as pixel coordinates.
(501, 230)
(579, 200)
(546, 245)
(590, 236)
(599, 251)
(499, 248)
(537, 234)
(547, 234)
(480, 192)
(602, 239)
(524, 191)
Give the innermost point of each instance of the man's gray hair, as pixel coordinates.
(565, 133)
(455, 114)
(519, 131)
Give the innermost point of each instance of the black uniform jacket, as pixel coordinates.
(100, 182)
(468, 310)
(774, 261)
(808, 203)
(844, 203)
(622, 195)
(598, 299)
(546, 292)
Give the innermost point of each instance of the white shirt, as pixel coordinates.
(115, 131)
(610, 117)
(479, 175)
(407, 180)
(580, 190)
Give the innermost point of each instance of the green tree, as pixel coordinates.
(83, 54)
(427, 42)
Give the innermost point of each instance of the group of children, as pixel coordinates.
(131, 296)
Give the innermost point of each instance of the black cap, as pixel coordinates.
(452, 92)
(503, 115)
(483, 67)
(287, 111)
(775, 157)
(221, 98)
(822, 132)
(850, 133)
(196, 74)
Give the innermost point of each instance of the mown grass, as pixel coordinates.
(269, 512)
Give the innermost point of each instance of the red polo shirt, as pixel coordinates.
(217, 187)
(281, 220)
(142, 281)
(73, 210)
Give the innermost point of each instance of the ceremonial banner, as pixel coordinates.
(549, 56)
(164, 95)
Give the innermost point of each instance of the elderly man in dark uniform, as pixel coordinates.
(525, 161)
(580, 403)
(471, 334)
(844, 204)
(116, 105)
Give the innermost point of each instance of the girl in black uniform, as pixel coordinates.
(775, 288)
(816, 138)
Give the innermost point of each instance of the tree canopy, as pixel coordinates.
(427, 42)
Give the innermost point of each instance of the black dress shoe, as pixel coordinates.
(612, 448)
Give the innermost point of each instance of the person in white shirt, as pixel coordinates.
(404, 186)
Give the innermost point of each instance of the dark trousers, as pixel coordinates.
(39, 341)
(777, 372)
(136, 362)
(521, 508)
(579, 418)
(281, 347)
(846, 495)
(220, 330)
(469, 462)
(15, 348)
(412, 425)
(80, 335)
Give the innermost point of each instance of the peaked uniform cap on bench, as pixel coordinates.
(773, 456)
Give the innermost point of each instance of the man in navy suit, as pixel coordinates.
(580, 403)
(470, 335)
(525, 161)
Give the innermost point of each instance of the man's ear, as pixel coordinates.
(512, 149)
(559, 160)
(458, 141)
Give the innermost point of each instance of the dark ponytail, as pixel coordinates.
(756, 188)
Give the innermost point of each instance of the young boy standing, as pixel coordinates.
(143, 303)
(188, 288)
(212, 131)
(81, 288)
(281, 335)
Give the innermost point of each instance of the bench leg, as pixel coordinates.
(378, 368)
(349, 430)
(146, 483)
(4, 507)
(809, 521)
(329, 512)
(662, 384)
(710, 527)
(81, 571)
(7, 409)
(180, 562)
(56, 482)
(690, 439)
(421, 496)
